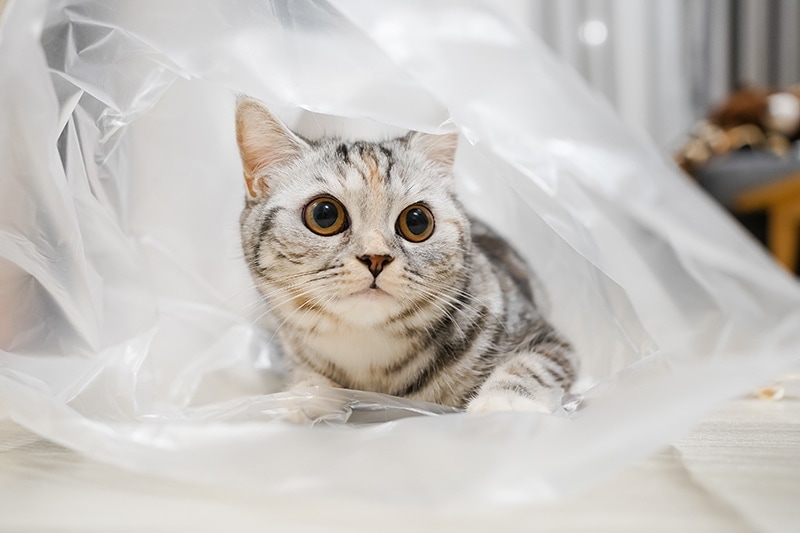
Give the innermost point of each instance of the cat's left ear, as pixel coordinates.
(439, 149)
(264, 144)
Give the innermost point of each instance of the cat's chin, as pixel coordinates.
(367, 307)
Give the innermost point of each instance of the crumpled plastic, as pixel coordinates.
(131, 332)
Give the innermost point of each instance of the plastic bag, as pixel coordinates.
(128, 324)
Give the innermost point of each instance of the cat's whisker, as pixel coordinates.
(310, 302)
(256, 308)
(266, 307)
(241, 291)
(296, 275)
(441, 304)
(281, 280)
(438, 284)
(288, 287)
(256, 304)
(320, 302)
(437, 300)
(450, 300)
(272, 306)
(441, 290)
(291, 290)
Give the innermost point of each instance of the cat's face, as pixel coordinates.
(364, 232)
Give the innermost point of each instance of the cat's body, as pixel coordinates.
(379, 280)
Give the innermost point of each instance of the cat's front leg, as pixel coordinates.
(530, 381)
(306, 378)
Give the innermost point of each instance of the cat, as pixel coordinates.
(380, 281)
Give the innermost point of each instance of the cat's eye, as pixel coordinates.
(415, 223)
(325, 216)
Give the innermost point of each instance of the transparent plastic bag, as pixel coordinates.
(129, 329)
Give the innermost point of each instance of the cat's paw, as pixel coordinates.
(299, 417)
(309, 415)
(309, 405)
(494, 401)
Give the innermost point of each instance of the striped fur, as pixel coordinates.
(453, 320)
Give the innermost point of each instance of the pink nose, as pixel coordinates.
(375, 263)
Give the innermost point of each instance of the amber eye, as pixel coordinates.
(325, 216)
(415, 223)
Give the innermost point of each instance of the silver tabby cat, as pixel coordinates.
(380, 281)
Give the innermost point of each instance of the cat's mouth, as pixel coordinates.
(373, 291)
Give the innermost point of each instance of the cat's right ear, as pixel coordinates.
(264, 145)
(438, 149)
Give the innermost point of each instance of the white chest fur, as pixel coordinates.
(364, 353)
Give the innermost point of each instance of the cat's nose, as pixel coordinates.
(375, 263)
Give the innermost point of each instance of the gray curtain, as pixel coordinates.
(742, 42)
(664, 64)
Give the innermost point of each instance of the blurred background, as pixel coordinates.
(713, 83)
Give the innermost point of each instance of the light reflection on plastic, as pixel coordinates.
(593, 32)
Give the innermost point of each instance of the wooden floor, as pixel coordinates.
(738, 470)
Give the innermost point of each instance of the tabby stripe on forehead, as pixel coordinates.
(389, 155)
(342, 152)
(372, 176)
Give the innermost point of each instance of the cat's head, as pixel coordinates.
(367, 232)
